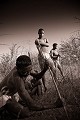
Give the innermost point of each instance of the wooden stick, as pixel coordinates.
(61, 98)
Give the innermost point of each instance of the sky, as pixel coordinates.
(21, 19)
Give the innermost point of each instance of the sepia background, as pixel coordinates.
(19, 24)
(21, 19)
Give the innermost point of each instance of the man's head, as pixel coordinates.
(55, 45)
(41, 32)
(24, 65)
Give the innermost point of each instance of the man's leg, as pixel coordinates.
(33, 92)
(16, 109)
(52, 67)
(39, 90)
(60, 69)
(39, 75)
(42, 64)
(44, 82)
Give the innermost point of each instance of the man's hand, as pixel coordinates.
(36, 42)
(45, 89)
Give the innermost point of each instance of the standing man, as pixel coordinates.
(42, 47)
(56, 58)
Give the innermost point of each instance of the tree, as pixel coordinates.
(8, 60)
(70, 51)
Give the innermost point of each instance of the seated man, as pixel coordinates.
(14, 82)
(36, 86)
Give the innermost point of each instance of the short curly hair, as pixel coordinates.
(23, 61)
(54, 44)
(40, 30)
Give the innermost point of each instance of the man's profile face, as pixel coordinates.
(25, 71)
(55, 47)
(41, 33)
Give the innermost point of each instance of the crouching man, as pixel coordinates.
(14, 82)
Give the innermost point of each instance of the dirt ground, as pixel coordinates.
(71, 94)
(70, 90)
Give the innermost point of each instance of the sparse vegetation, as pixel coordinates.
(70, 89)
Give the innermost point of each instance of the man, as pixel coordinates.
(36, 86)
(56, 58)
(14, 82)
(44, 48)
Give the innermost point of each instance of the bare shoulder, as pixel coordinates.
(9, 75)
(13, 72)
(9, 79)
(36, 41)
(13, 76)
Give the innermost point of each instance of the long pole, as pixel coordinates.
(61, 98)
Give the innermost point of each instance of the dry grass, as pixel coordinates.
(69, 89)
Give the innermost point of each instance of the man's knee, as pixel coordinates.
(39, 82)
(16, 109)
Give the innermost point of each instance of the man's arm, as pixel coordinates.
(53, 56)
(3, 86)
(42, 43)
(23, 93)
(39, 75)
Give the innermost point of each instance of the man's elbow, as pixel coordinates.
(26, 98)
(47, 45)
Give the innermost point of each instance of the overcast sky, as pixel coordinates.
(21, 19)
